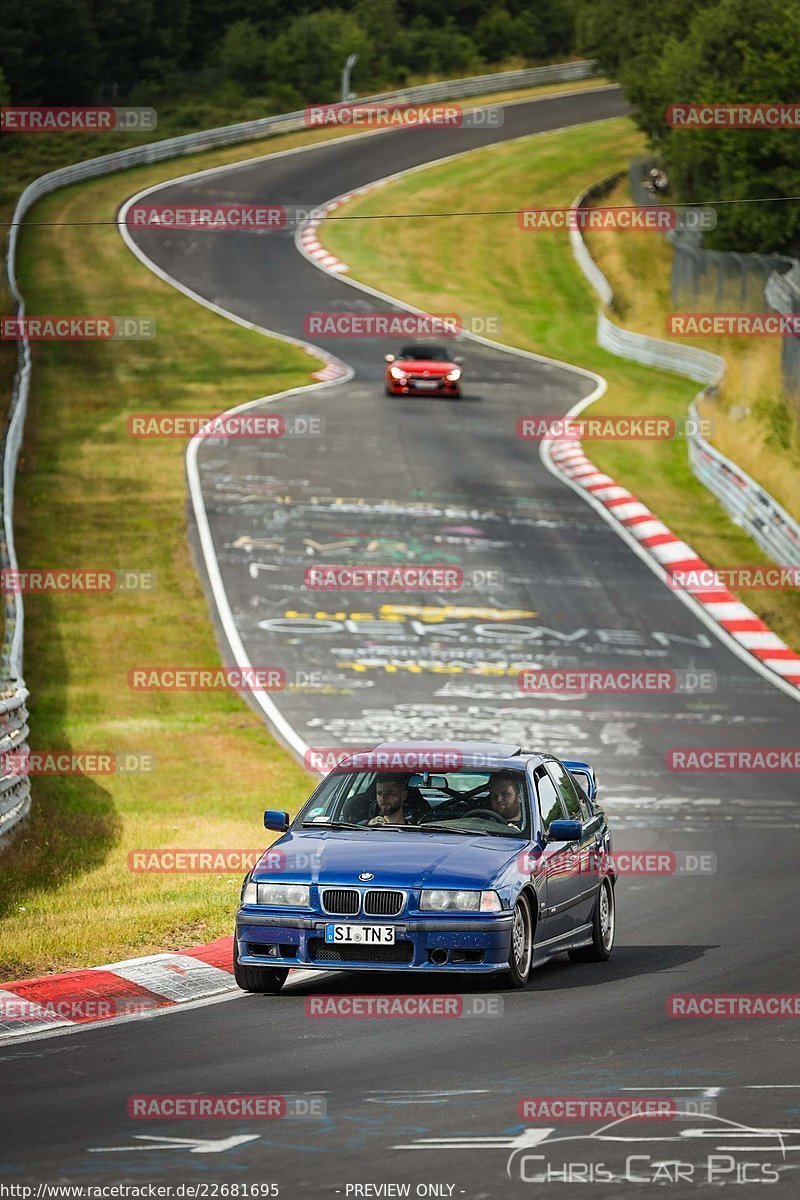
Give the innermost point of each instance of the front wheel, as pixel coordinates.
(520, 955)
(263, 980)
(603, 925)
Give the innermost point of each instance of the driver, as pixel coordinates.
(391, 792)
(505, 797)
(396, 805)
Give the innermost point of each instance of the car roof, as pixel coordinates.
(495, 755)
(421, 351)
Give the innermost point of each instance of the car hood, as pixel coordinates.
(417, 366)
(410, 860)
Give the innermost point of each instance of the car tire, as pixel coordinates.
(603, 926)
(263, 980)
(520, 953)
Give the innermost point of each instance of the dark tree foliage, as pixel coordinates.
(719, 51)
(146, 51)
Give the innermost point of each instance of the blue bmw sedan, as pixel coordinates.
(424, 857)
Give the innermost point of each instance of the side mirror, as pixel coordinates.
(389, 357)
(565, 831)
(277, 820)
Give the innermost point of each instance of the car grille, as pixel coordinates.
(320, 951)
(343, 902)
(383, 904)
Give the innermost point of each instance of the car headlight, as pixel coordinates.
(284, 895)
(249, 893)
(396, 373)
(454, 375)
(447, 900)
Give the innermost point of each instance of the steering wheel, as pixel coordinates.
(487, 812)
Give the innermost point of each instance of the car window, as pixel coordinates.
(424, 353)
(586, 804)
(479, 802)
(567, 790)
(549, 800)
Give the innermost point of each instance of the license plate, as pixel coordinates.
(427, 384)
(363, 935)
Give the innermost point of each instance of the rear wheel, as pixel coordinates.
(603, 925)
(264, 980)
(520, 955)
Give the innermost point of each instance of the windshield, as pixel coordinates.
(491, 803)
(429, 353)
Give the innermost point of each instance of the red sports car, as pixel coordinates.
(423, 370)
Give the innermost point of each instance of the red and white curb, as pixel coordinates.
(308, 238)
(674, 555)
(333, 369)
(135, 987)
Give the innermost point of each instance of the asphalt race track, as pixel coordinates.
(547, 583)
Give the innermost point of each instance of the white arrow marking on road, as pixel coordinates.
(528, 1137)
(193, 1145)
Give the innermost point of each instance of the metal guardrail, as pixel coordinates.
(15, 790)
(750, 506)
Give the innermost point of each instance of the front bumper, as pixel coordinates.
(444, 388)
(476, 946)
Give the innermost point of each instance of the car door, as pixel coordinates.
(558, 865)
(585, 879)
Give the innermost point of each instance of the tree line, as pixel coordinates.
(667, 52)
(136, 51)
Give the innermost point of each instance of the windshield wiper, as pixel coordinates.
(331, 825)
(453, 829)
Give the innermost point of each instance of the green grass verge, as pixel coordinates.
(750, 418)
(88, 496)
(530, 280)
